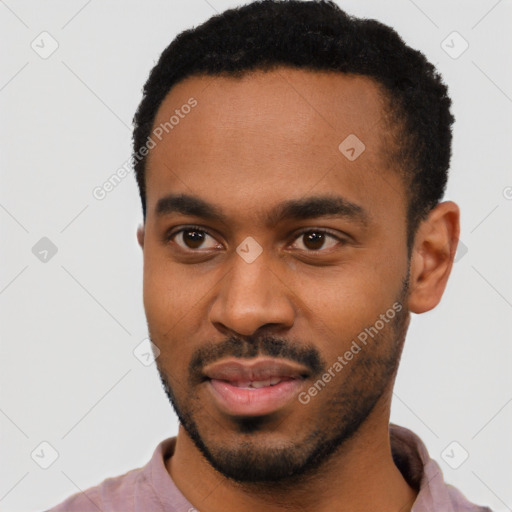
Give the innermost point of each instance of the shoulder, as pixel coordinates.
(461, 504)
(147, 488)
(113, 494)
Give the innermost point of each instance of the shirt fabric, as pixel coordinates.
(151, 489)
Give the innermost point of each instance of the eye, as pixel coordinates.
(192, 237)
(314, 239)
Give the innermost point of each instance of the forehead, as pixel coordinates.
(268, 132)
(295, 102)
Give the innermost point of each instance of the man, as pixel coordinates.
(291, 162)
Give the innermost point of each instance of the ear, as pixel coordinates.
(432, 256)
(140, 235)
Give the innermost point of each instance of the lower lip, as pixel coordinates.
(237, 401)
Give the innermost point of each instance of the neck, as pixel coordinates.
(358, 477)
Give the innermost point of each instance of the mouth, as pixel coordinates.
(257, 384)
(253, 388)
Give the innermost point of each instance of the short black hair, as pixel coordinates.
(318, 36)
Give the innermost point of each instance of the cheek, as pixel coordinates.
(175, 298)
(168, 304)
(351, 299)
(167, 296)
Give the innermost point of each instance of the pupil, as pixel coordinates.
(316, 239)
(195, 240)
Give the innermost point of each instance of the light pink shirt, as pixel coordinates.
(151, 489)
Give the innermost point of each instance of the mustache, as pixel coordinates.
(253, 347)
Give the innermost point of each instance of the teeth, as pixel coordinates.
(256, 384)
(260, 383)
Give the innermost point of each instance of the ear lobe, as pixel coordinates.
(432, 256)
(140, 235)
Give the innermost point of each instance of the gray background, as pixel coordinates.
(69, 325)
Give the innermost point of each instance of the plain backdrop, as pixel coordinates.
(70, 323)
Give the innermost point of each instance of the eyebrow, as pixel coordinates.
(293, 209)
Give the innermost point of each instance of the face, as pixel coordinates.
(267, 245)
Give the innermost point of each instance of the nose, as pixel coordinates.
(251, 296)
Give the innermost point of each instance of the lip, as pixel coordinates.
(262, 368)
(226, 377)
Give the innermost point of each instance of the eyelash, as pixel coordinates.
(170, 236)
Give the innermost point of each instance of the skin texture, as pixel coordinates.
(248, 145)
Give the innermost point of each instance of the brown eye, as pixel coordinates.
(192, 238)
(313, 240)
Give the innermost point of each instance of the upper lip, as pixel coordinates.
(234, 370)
